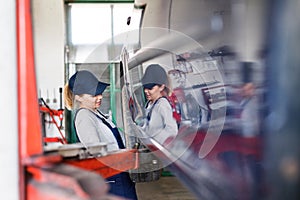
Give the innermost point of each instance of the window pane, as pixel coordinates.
(91, 23)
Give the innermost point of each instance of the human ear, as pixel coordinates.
(78, 98)
(162, 87)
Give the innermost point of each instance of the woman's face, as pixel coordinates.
(154, 93)
(89, 101)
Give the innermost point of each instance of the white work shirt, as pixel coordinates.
(161, 124)
(91, 129)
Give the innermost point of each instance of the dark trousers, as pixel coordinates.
(122, 185)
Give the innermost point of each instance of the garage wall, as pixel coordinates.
(49, 36)
(49, 40)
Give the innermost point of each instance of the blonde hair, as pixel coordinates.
(68, 97)
(168, 87)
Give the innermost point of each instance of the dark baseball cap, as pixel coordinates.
(149, 86)
(154, 75)
(85, 82)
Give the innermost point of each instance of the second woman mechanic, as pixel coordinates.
(160, 123)
(84, 94)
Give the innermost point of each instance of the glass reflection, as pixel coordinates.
(216, 100)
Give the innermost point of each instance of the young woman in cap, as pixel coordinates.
(83, 92)
(160, 123)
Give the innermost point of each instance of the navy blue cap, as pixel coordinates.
(149, 86)
(84, 82)
(154, 74)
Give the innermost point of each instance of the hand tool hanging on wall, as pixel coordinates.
(52, 112)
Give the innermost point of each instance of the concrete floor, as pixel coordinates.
(166, 188)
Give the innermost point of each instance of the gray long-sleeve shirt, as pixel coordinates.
(91, 129)
(161, 124)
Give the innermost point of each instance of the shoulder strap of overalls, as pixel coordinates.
(115, 130)
(150, 112)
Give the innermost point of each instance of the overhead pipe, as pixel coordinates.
(174, 42)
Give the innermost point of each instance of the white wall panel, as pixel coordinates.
(49, 37)
(9, 170)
